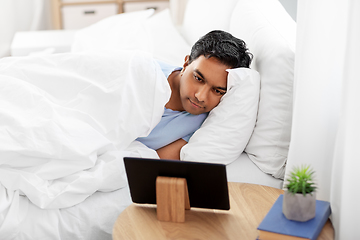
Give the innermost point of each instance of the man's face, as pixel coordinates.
(202, 84)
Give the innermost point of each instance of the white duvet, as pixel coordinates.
(67, 120)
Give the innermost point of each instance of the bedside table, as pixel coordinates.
(76, 14)
(249, 205)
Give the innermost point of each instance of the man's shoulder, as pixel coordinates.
(167, 68)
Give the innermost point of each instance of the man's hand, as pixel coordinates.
(172, 150)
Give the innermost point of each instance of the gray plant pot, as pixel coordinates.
(298, 207)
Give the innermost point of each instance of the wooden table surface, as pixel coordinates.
(249, 203)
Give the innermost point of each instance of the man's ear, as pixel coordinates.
(186, 61)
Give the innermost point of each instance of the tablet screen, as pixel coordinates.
(206, 182)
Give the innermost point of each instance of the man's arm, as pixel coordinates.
(172, 150)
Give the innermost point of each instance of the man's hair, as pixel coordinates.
(229, 50)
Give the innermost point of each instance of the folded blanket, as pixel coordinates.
(67, 120)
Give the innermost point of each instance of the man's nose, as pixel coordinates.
(201, 93)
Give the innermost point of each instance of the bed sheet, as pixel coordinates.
(94, 218)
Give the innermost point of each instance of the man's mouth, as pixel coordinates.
(195, 104)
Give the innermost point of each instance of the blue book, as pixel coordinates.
(276, 226)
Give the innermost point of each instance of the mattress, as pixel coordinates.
(245, 170)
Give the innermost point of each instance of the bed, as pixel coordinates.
(72, 185)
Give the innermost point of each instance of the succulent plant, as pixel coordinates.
(300, 180)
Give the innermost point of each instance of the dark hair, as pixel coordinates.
(229, 50)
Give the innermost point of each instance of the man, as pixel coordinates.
(195, 90)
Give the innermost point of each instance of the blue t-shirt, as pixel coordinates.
(173, 125)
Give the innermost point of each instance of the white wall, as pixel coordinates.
(21, 15)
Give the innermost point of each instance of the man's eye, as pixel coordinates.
(218, 92)
(197, 78)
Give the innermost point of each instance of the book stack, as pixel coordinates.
(275, 226)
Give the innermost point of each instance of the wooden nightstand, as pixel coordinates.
(249, 205)
(76, 14)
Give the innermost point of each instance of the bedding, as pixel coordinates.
(79, 194)
(67, 121)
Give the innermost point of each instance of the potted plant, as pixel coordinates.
(299, 196)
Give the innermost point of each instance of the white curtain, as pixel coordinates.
(326, 131)
(21, 15)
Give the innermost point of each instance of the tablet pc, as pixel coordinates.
(207, 182)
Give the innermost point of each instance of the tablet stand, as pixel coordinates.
(172, 198)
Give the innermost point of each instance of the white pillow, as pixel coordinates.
(167, 43)
(270, 35)
(155, 34)
(202, 16)
(118, 32)
(226, 131)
